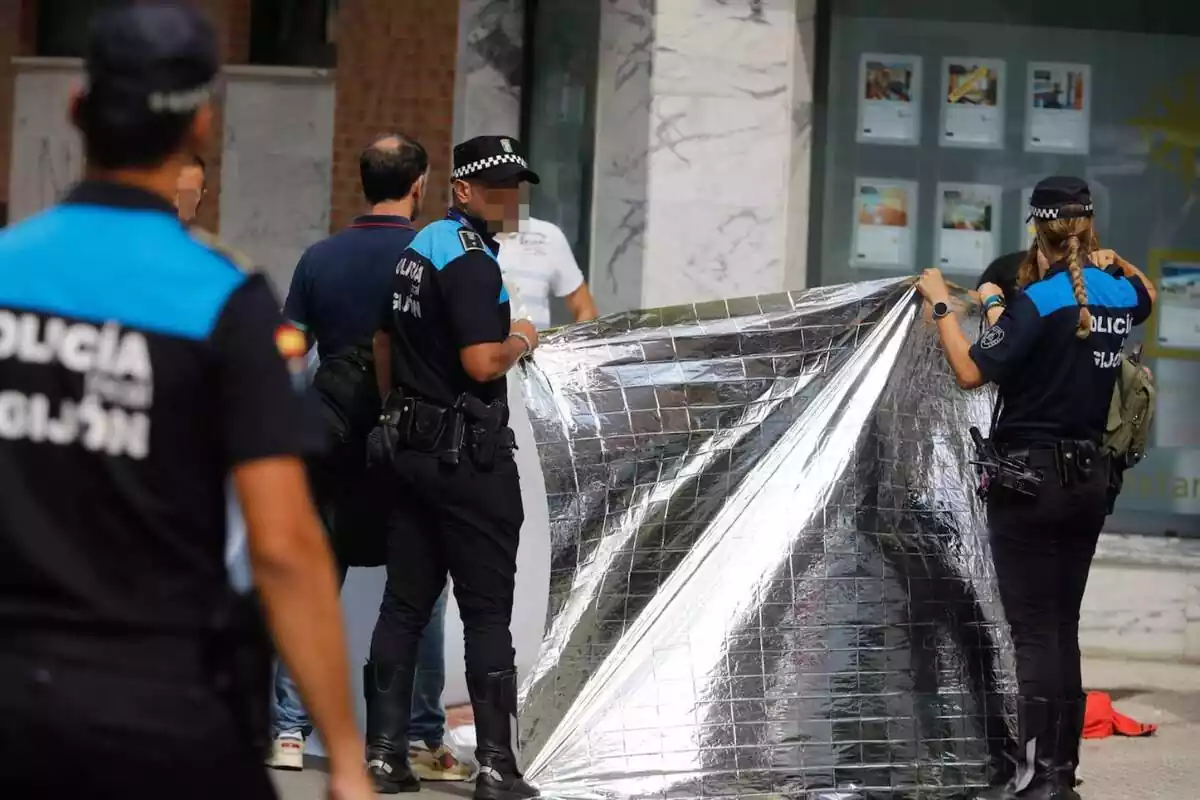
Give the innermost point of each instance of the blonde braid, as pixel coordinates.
(1027, 273)
(1075, 268)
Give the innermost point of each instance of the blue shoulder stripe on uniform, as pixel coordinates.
(138, 268)
(503, 293)
(1109, 291)
(438, 242)
(1051, 294)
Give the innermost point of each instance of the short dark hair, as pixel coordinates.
(390, 165)
(117, 138)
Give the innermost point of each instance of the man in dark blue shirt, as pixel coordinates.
(336, 293)
(341, 281)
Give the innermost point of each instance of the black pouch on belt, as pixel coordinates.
(487, 426)
(426, 426)
(1077, 461)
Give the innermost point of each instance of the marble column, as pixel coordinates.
(487, 86)
(702, 150)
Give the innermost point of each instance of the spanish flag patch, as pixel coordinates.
(291, 342)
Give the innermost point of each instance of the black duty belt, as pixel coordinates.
(470, 425)
(1022, 469)
(1073, 461)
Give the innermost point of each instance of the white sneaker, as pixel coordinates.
(287, 752)
(438, 765)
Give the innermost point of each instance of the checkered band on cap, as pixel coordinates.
(181, 102)
(487, 163)
(1052, 213)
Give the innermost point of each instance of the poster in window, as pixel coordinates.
(885, 212)
(972, 103)
(1028, 229)
(889, 99)
(1175, 325)
(968, 223)
(1058, 108)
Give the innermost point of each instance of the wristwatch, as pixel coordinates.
(940, 310)
(991, 301)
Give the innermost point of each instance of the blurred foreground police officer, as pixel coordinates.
(446, 343)
(138, 368)
(1055, 353)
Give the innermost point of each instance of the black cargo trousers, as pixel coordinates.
(1042, 549)
(458, 521)
(465, 522)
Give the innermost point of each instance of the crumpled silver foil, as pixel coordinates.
(769, 570)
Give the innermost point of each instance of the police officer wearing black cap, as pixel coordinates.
(1054, 350)
(447, 341)
(138, 368)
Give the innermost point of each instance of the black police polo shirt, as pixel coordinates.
(1053, 385)
(137, 368)
(448, 294)
(340, 282)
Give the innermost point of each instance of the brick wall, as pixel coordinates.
(393, 74)
(17, 33)
(396, 64)
(18, 36)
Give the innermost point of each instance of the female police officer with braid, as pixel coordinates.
(1055, 354)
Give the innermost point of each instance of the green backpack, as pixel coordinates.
(1130, 413)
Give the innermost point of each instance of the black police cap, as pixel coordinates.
(1060, 197)
(151, 58)
(491, 160)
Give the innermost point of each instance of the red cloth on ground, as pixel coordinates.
(1102, 720)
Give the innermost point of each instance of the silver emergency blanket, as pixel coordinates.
(769, 570)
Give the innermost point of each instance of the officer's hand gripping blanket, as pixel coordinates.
(770, 573)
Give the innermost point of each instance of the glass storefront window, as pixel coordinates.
(939, 117)
(293, 33)
(62, 26)
(558, 130)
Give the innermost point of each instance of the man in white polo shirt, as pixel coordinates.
(538, 261)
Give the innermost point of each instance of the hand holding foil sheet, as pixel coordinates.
(769, 574)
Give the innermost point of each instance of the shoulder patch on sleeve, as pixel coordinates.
(238, 258)
(992, 337)
(471, 240)
(290, 341)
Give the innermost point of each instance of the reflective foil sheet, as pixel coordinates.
(769, 570)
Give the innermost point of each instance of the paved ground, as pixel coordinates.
(1162, 767)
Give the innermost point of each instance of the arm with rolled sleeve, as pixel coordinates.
(1008, 342)
(261, 430)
